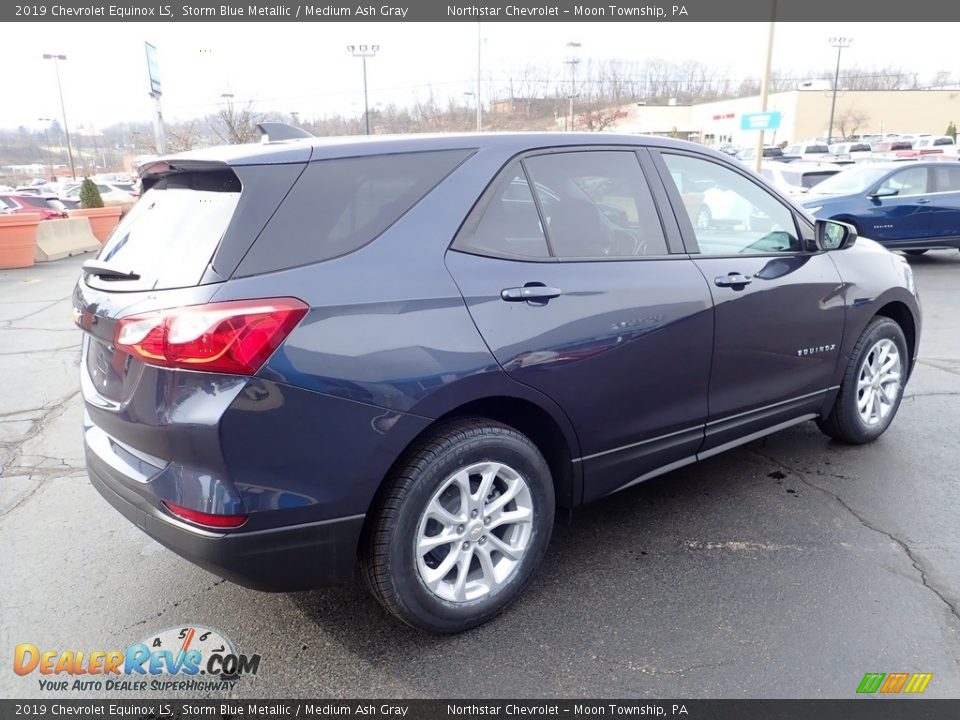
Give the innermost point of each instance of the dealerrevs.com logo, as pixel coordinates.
(192, 658)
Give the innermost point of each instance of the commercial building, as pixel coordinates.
(804, 114)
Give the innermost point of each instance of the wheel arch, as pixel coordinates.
(901, 314)
(537, 423)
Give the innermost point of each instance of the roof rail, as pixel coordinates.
(273, 131)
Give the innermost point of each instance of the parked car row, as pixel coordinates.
(53, 199)
(854, 149)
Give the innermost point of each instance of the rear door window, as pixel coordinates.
(340, 205)
(947, 179)
(509, 224)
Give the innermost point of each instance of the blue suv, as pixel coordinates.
(910, 206)
(405, 354)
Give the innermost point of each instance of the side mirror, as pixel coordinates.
(883, 192)
(834, 235)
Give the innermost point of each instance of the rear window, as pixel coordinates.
(817, 149)
(338, 206)
(808, 180)
(34, 201)
(169, 236)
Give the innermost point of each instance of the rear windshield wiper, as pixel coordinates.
(100, 269)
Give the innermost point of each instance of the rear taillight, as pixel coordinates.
(205, 519)
(233, 337)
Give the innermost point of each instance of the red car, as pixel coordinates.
(23, 203)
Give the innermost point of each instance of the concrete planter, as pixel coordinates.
(102, 220)
(18, 239)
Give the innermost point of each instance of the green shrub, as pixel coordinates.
(952, 130)
(89, 195)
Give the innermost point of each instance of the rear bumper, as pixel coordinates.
(284, 559)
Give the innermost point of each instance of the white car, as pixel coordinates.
(122, 195)
(807, 150)
(936, 145)
(797, 177)
(850, 149)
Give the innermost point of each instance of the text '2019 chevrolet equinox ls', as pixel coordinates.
(406, 354)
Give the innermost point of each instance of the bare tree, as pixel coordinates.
(236, 123)
(600, 119)
(850, 120)
(185, 136)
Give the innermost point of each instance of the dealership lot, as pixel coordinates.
(788, 567)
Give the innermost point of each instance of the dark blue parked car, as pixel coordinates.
(911, 206)
(407, 353)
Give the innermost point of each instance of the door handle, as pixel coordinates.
(923, 201)
(530, 292)
(734, 280)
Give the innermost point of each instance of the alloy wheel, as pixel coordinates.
(879, 382)
(474, 532)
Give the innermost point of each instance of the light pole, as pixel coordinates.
(363, 52)
(469, 95)
(479, 46)
(573, 61)
(66, 128)
(46, 141)
(839, 43)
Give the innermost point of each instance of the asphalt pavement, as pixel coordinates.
(786, 568)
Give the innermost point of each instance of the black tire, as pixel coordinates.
(389, 560)
(914, 253)
(844, 422)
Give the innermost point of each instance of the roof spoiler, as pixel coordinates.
(274, 131)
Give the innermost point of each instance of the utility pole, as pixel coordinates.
(765, 83)
(573, 61)
(63, 109)
(839, 43)
(363, 52)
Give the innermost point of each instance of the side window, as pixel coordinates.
(947, 178)
(596, 204)
(912, 181)
(509, 224)
(729, 213)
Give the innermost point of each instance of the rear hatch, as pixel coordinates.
(174, 248)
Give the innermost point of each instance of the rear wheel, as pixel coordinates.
(462, 527)
(872, 385)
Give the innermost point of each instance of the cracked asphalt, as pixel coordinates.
(786, 568)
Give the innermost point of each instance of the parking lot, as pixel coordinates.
(786, 568)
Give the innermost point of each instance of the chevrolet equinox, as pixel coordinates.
(405, 354)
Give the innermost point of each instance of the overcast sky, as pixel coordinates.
(305, 67)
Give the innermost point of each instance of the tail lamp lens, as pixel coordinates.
(233, 337)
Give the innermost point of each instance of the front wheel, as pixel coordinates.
(462, 527)
(872, 385)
